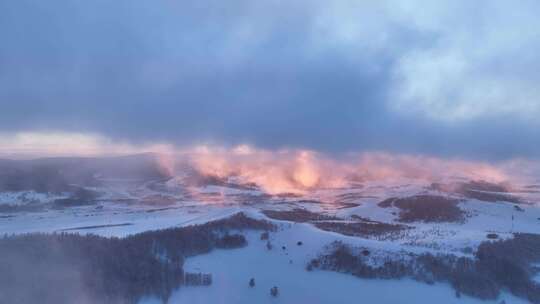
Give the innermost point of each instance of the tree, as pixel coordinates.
(274, 291)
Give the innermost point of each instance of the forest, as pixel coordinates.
(496, 266)
(74, 268)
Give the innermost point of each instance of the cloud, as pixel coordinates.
(297, 171)
(290, 170)
(326, 76)
(27, 145)
(481, 64)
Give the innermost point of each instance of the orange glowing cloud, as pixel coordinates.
(381, 165)
(275, 171)
(298, 171)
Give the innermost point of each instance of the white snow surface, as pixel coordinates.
(28, 197)
(232, 269)
(133, 208)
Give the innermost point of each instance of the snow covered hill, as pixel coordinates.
(392, 219)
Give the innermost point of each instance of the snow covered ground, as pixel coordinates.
(28, 197)
(285, 269)
(125, 209)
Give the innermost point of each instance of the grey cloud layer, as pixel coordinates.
(450, 78)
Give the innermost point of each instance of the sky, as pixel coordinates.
(452, 79)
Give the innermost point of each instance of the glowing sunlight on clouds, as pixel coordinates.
(275, 171)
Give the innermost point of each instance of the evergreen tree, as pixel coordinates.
(274, 292)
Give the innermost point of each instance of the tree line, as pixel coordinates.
(72, 268)
(504, 264)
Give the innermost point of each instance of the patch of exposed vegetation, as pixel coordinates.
(297, 215)
(492, 236)
(229, 241)
(497, 265)
(351, 196)
(377, 230)
(342, 205)
(249, 198)
(31, 207)
(426, 208)
(363, 219)
(491, 197)
(158, 200)
(286, 195)
(97, 226)
(486, 186)
(94, 269)
(307, 201)
(201, 180)
(387, 203)
(79, 197)
(480, 190)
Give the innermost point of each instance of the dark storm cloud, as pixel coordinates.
(327, 77)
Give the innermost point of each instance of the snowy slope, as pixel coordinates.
(126, 207)
(233, 269)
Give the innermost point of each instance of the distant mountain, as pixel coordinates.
(59, 174)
